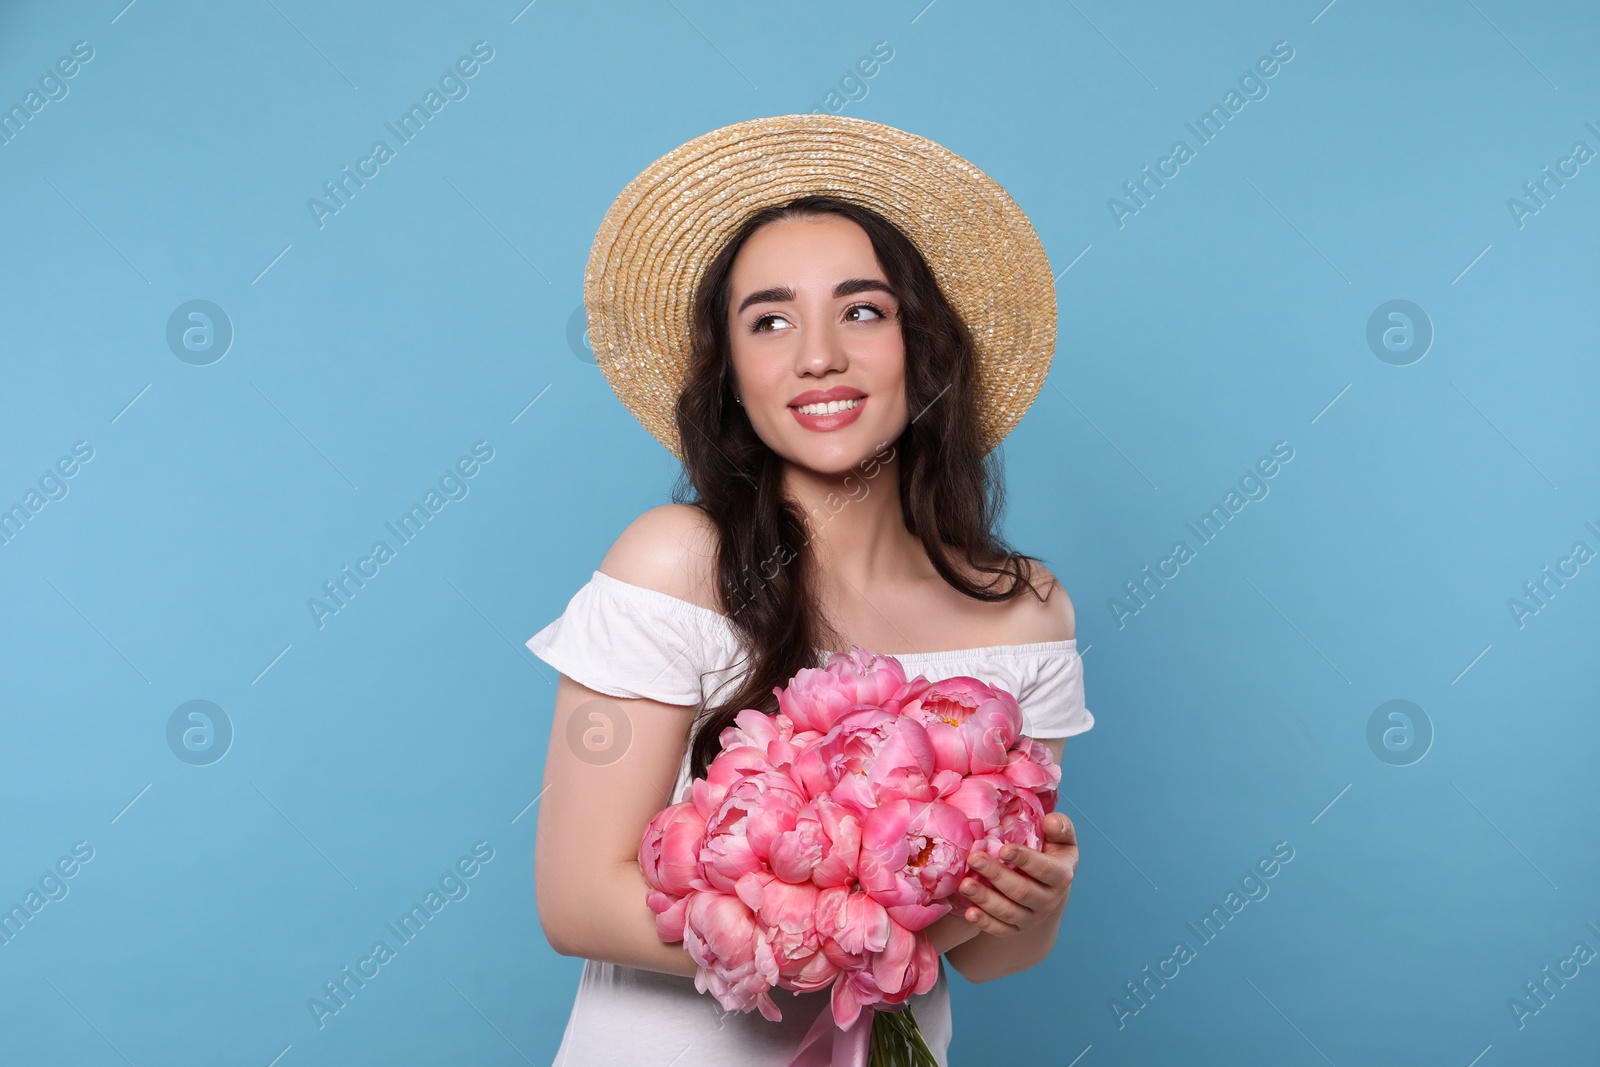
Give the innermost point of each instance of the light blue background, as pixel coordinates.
(1228, 314)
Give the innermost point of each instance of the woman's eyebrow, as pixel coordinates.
(763, 296)
(862, 285)
(848, 287)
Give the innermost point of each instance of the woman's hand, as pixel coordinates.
(1023, 898)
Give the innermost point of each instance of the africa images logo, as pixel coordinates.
(452, 84)
(453, 886)
(453, 485)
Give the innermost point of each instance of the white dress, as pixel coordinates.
(629, 641)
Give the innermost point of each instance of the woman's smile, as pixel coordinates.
(823, 410)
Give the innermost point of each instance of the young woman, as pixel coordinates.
(810, 364)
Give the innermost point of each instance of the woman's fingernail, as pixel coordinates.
(969, 889)
(979, 861)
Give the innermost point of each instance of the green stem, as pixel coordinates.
(896, 1041)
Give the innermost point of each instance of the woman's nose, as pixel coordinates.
(821, 350)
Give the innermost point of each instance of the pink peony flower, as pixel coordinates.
(1033, 767)
(740, 833)
(736, 964)
(786, 918)
(869, 755)
(913, 855)
(848, 748)
(815, 697)
(669, 857)
(822, 846)
(852, 924)
(1001, 814)
(971, 725)
(774, 736)
(880, 960)
(669, 853)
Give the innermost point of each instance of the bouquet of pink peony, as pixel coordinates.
(826, 837)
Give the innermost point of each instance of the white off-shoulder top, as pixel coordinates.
(629, 641)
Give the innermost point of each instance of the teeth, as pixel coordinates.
(832, 407)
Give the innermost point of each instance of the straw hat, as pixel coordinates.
(669, 222)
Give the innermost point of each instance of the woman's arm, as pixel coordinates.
(600, 792)
(598, 799)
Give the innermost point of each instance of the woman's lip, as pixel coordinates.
(821, 396)
(824, 423)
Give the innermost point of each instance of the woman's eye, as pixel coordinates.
(756, 326)
(865, 307)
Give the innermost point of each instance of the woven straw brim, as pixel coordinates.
(669, 222)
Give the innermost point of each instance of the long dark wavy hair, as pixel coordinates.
(951, 494)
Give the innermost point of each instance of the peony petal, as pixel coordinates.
(916, 917)
(889, 966)
(749, 888)
(846, 1004)
(949, 747)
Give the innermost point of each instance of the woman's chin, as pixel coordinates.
(864, 444)
(830, 458)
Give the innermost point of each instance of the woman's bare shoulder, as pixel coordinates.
(1051, 619)
(671, 549)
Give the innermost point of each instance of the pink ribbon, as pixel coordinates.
(826, 1045)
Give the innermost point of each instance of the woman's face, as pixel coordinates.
(811, 312)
